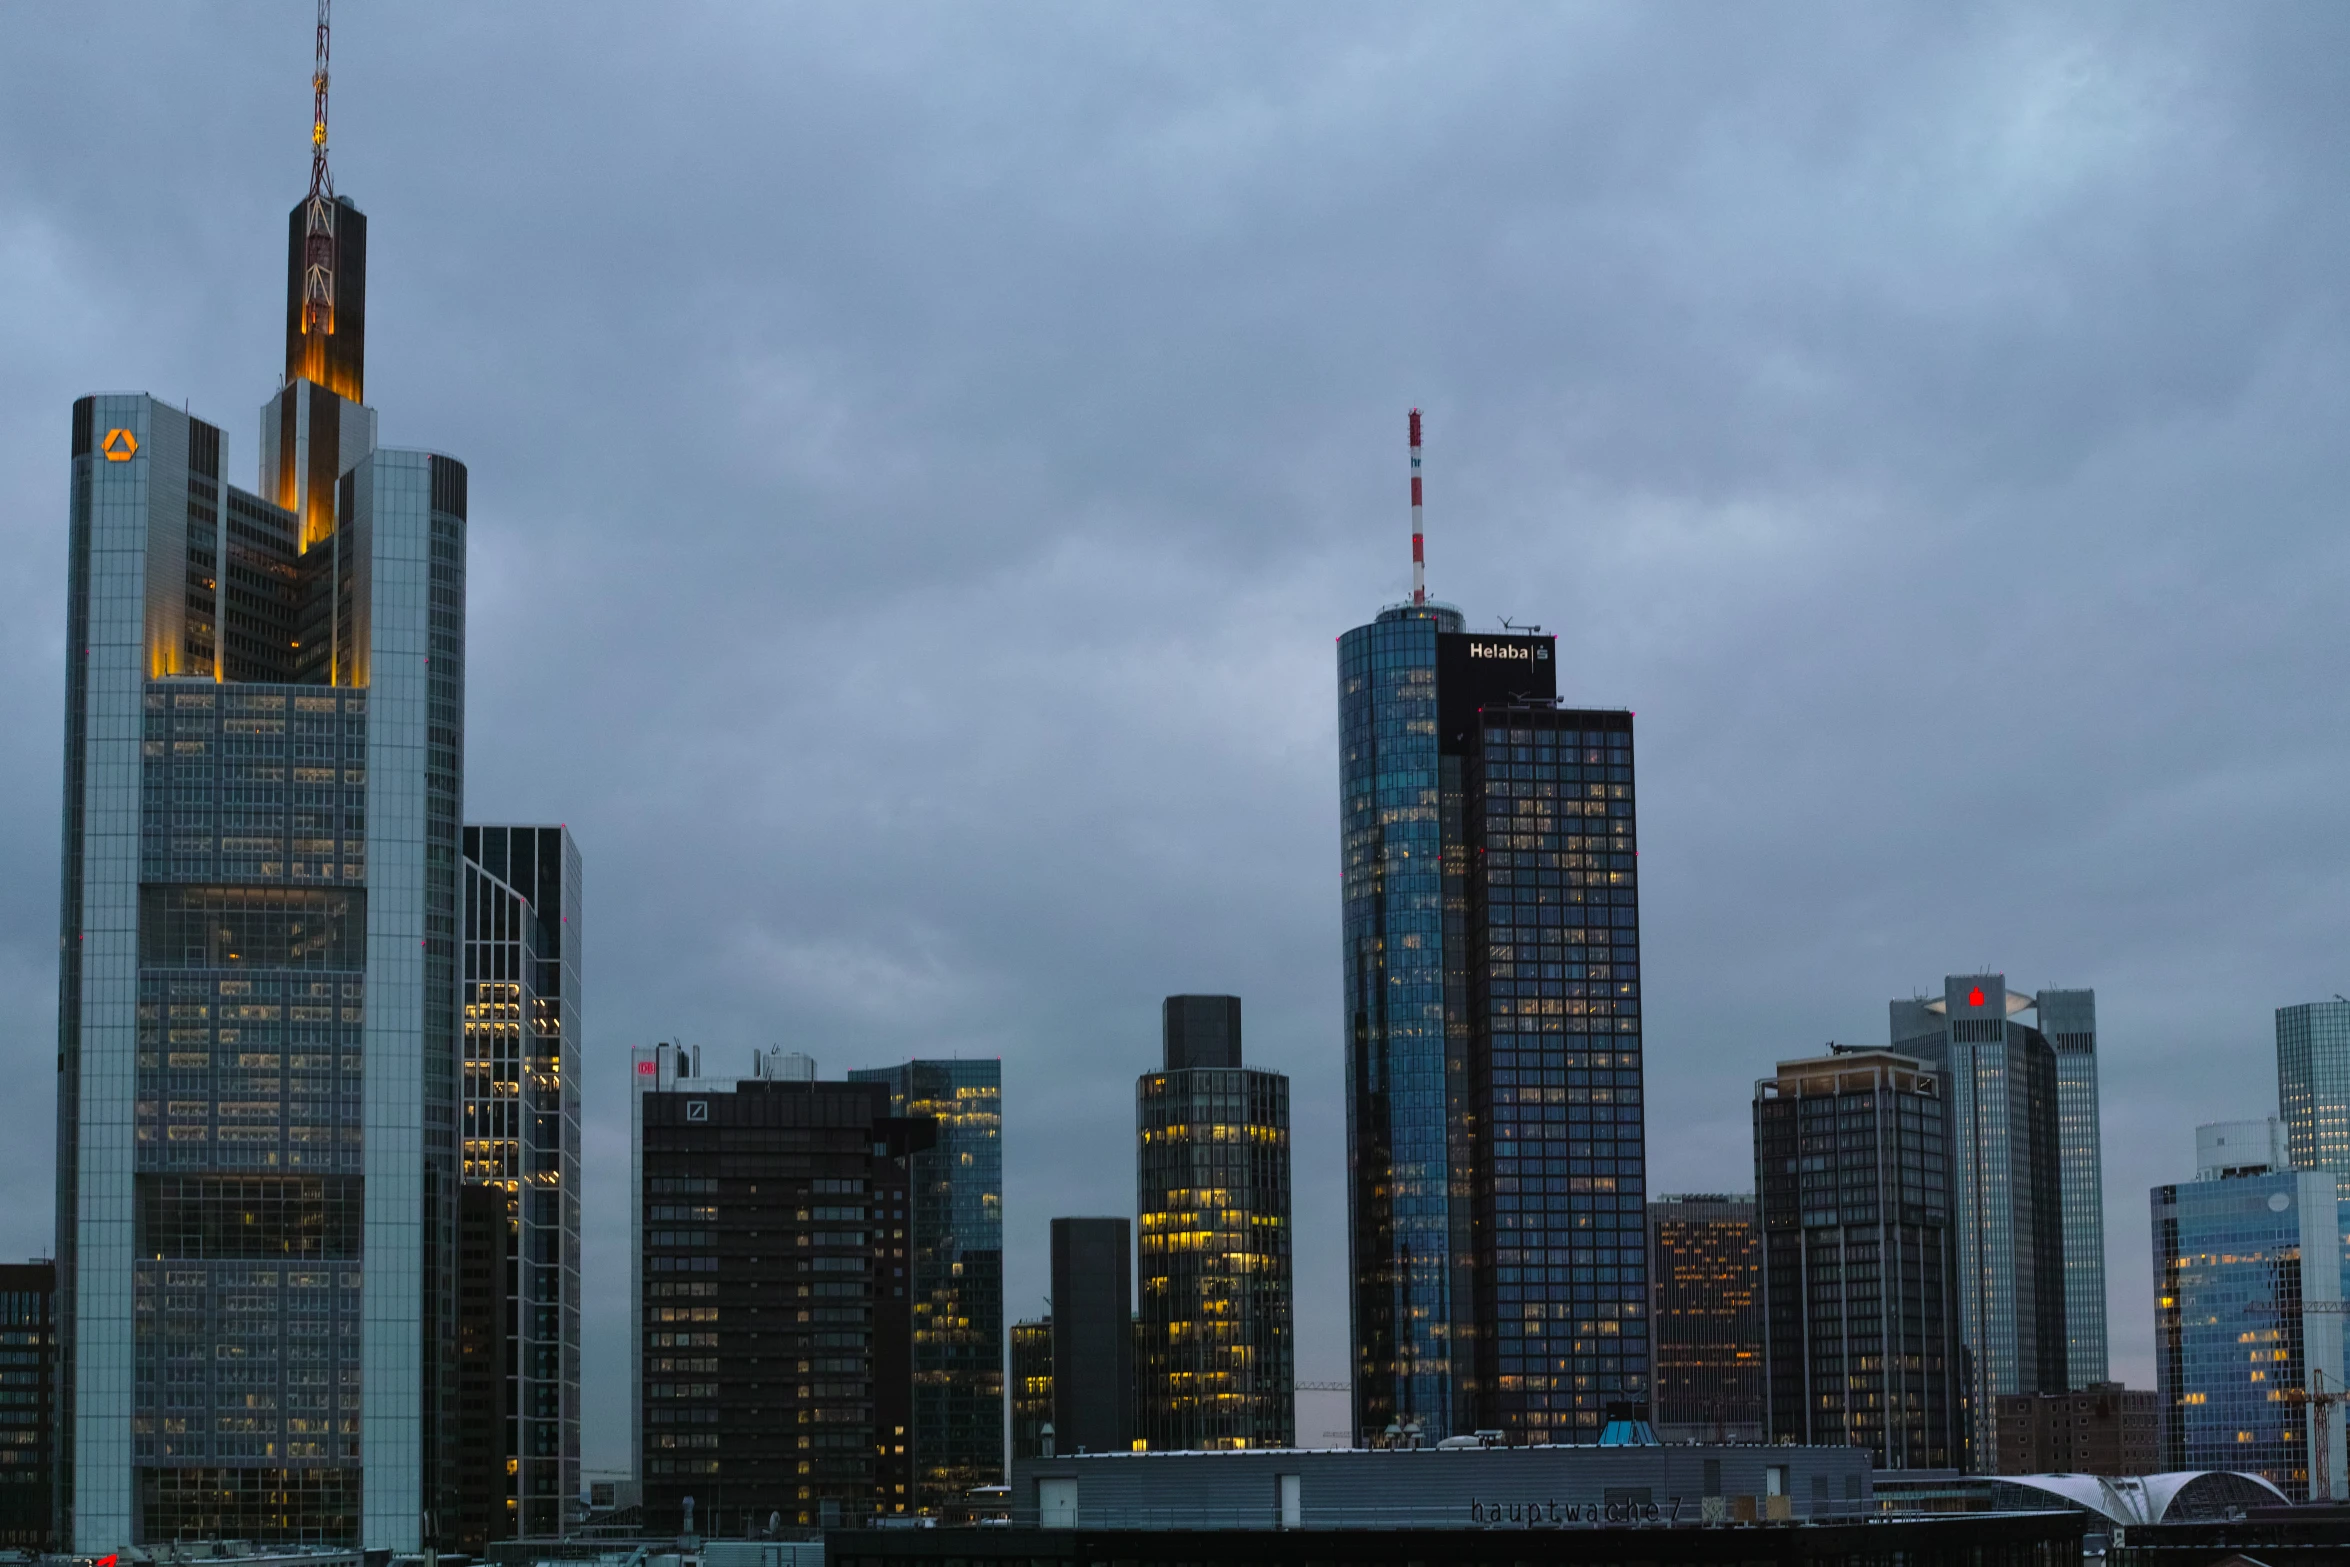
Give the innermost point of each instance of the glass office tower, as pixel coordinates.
(28, 1406)
(1215, 1358)
(519, 1333)
(2247, 1296)
(1491, 982)
(258, 1042)
(1860, 1330)
(2068, 1020)
(957, 1257)
(1705, 1281)
(2007, 1185)
(2313, 1083)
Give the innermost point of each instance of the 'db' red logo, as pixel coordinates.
(1974, 997)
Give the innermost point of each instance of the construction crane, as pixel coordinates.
(2321, 1402)
(2320, 1399)
(1324, 1387)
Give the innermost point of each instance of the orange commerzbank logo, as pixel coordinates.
(119, 446)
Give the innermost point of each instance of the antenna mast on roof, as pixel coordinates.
(318, 262)
(1419, 562)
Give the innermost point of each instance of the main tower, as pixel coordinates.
(1491, 970)
(257, 1033)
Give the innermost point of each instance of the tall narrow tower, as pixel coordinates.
(1492, 1023)
(257, 1034)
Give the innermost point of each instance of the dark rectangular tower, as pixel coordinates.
(1860, 1324)
(955, 1242)
(2000, 1099)
(28, 1406)
(1705, 1282)
(519, 1338)
(1215, 1363)
(1093, 1335)
(774, 1333)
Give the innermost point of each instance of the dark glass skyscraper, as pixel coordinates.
(28, 1405)
(1705, 1279)
(258, 1034)
(1215, 1362)
(2007, 1176)
(1093, 1335)
(956, 1267)
(1492, 1012)
(519, 1314)
(2313, 1084)
(1860, 1331)
(2068, 1020)
(774, 1341)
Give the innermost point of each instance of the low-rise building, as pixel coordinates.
(2104, 1429)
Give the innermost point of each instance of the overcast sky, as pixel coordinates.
(921, 457)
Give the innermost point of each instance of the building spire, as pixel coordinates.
(318, 264)
(1419, 563)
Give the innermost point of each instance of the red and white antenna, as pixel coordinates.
(1419, 561)
(318, 266)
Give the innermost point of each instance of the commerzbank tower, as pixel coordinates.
(264, 997)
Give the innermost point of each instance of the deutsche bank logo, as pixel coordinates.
(1523, 652)
(697, 1109)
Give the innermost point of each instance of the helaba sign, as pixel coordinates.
(1521, 652)
(1553, 1511)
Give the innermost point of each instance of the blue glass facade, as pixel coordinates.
(2313, 1083)
(1495, 1145)
(2236, 1262)
(1400, 1132)
(1559, 1253)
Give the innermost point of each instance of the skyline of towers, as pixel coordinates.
(1860, 1329)
(1215, 1358)
(1492, 1021)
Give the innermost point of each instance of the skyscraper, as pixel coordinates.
(1216, 1360)
(28, 1405)
(2248, 1290)
(773, 1331)
(1093, 1335)
(1032, 1385)
(519, 1314)
(2007, 1184)
(1705, 1283)
(955, 1236)
(258, 1038)
(1491, 980)
(1860, 1328)
(2068, 1019)
(2313, 1083)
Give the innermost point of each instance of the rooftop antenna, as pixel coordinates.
(318, 261)
(1419, 562)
